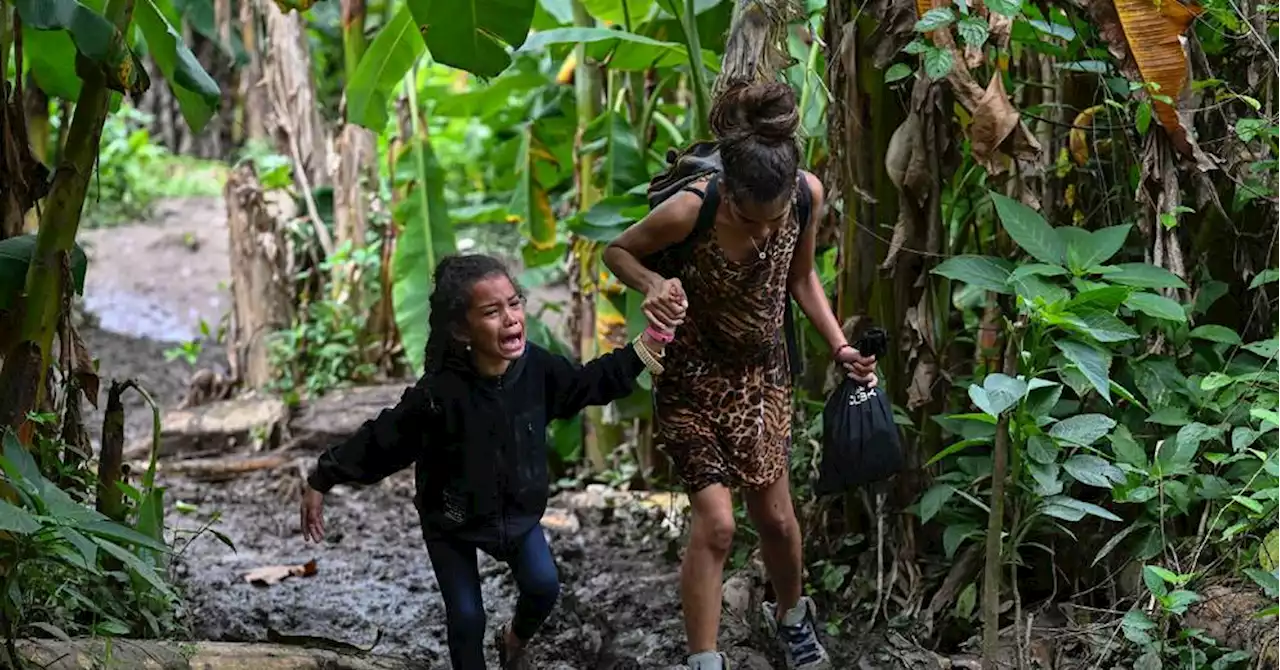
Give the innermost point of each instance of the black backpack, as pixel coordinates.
(699, 160)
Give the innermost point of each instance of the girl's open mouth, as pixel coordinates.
(512, 343)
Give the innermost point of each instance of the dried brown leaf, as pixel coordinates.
(907, 167)
(895, 27)
(756, 47)
(997, 126)
(1152, 33)
(1103, 13)
(274, 574)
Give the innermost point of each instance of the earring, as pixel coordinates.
(468, 348)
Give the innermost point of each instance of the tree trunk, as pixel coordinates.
(39, 135)
(259, 280)
(253, 94)
(582, 268)
(356, 159)
(38, 126)
(294, 120)
(48, 273)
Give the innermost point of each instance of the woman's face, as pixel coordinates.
(768, 214)
(495, 323)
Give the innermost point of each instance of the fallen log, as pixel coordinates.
(218, 426)
(325, 421)
(162, 655)
(227, 467)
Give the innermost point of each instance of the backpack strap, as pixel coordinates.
(710, 205)
(804, 209)
(804, 201)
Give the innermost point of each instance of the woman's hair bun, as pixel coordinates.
(764, 111)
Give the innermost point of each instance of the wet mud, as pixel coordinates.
(619, 607)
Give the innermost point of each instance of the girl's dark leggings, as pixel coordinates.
(458, 574)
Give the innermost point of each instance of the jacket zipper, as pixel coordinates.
(502, 469)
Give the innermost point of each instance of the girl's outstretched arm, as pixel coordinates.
(572, 387)
(380, 447)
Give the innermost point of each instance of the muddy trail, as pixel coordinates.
(620, 597)
(618, 554)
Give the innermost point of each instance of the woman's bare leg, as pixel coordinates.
(774, 517)
(701, 573)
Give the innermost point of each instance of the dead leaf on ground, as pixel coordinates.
(274, 574)
(560, 520)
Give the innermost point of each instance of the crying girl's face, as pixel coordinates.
(495, 320)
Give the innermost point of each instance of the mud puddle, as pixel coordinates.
(160, 278)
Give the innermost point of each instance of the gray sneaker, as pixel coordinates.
(800, 645)
(723, 665)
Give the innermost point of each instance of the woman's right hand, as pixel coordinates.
(665, 304)
(312, 515)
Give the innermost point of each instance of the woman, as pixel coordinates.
(723, 403)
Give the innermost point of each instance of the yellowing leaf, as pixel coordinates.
(1077, 140)
(1151, 30)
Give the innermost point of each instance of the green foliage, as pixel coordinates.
(425, 236)
(91, 35)
(15, 259)
(133, 172)
(73, 571)
(326, 346)
(1107, 433)
(385, 62)
(198, 95)
(474, 35)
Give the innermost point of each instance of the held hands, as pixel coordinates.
(665, 305)
(312, 515)
(861, 369)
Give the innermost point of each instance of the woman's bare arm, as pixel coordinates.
(803, 281)
(667, 224)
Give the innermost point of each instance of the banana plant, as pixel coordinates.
(106, 65)
(424, 231)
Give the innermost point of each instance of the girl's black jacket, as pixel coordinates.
(479, 443)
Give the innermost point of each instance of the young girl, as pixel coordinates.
(475, 426)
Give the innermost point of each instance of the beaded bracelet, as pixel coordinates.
(647, 357)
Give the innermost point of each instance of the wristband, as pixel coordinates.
(841, 348)
(658, 335)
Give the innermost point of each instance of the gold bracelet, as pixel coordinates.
(646, 356)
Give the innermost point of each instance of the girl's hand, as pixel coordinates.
(861, 368)
(312, 515)
(665, 305)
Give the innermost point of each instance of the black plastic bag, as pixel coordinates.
(859, 437)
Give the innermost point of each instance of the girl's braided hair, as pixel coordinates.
(450, 299)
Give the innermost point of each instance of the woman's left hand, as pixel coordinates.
(861, 368)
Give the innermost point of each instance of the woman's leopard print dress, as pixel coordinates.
(723, 403)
